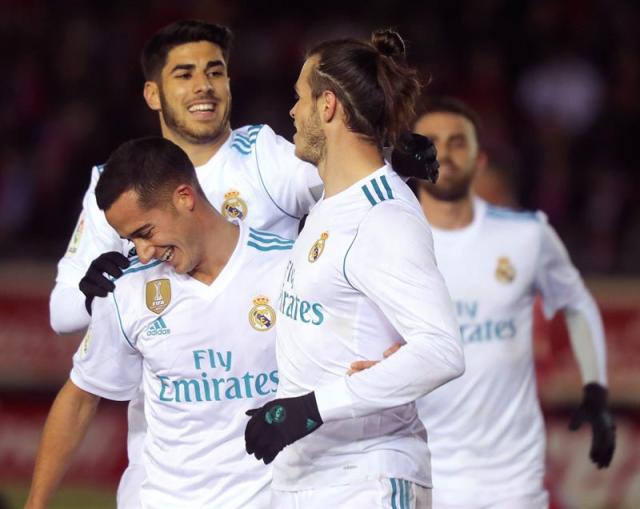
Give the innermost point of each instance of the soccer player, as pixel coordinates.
(192, 319)
(361, 274)
(248, 173)
(486, 432)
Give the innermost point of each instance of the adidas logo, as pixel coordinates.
(158, 328)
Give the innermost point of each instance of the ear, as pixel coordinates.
(328, 105)
(482, 161)
(151, 94)
(184, 198)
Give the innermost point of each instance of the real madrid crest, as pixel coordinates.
(505, 273)
(234, 207)
(158, 295)
(262, 316)
(318, 247)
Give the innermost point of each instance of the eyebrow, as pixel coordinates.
(191, 67)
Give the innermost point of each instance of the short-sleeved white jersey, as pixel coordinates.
(486, 432)
(205, 355)
(361, 276)
(255, 176)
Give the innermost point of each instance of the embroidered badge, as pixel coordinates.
(318, 247)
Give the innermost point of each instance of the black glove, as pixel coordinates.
(95, 283)
(416, 156)
(280, 423)
(594, 410)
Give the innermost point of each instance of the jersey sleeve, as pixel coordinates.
(392, 262)
(107, 363)
(562, 288)
(292, 185)
(91, 237)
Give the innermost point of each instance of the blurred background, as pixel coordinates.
(556, 84)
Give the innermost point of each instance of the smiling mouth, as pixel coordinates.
(167, 256)
(195, 108)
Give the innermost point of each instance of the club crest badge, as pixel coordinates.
(158, 295)
(234, 207)
(505, 273)
(262, 316)
(318, 247)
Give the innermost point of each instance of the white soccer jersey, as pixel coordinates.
(486, 432)
(205, 355)
(361, 276)
(255, 176)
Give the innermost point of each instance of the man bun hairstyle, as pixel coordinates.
(372, 81)
(155, 51)
(152, 167)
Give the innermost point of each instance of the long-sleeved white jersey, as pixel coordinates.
(486, 432)
(362, 275)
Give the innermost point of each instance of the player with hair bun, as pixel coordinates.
(361, 273)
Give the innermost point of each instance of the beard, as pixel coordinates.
(201, 136)
(451, 189)
(312, 140)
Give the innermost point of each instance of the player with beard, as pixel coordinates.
(361, 274)
(486, 432)
(248, 174)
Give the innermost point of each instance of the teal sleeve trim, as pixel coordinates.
(120, 322)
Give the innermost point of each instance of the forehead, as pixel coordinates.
(307, 67)
(193, 53)
(125, 213)
(444, 124)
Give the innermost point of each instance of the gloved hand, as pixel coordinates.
(95, 283)
(416, 156)
(594, 410)
(280, 423)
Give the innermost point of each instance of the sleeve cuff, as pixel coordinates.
(334, 401)
(86, 385)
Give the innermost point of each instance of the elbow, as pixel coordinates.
(65, 315)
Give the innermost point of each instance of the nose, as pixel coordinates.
(202, 83)
(292, 112)
(144, 249)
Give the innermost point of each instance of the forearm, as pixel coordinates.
(66, 426)
(67, 312)
(587, 339)
(412, 372)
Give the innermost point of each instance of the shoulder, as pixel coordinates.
(263, 241)
(244, 139)
(510, 215)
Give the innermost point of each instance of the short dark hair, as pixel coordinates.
(373, 82)
(446, 104)
(153, 167)
(155, 51)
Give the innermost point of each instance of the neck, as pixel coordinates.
(219, 240)
(346, 161)
(446, 215)
(199, 153)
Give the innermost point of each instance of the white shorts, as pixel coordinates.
(375, 494)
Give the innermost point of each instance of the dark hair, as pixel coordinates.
(154, 54)
(153, 167)
(372, 80)
(445, 104)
